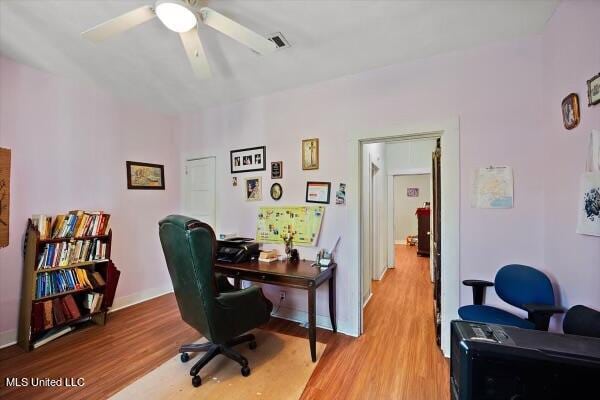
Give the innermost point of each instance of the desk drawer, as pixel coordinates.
(275, 279)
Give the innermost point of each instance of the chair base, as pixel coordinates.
(213, 350)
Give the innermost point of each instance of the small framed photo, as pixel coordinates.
(145, 176)
(594, 90)
(234, 181)
(253, 189)
(412, 192)
(310, 154)
(318, 192)
(277, 170)
(570, 111)
(276, 191)
(248, 160)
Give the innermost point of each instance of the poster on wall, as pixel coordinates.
(4, 195)
(493, 187)
(588, 222)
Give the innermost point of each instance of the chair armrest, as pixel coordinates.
(543, 309)
(477, 283)
(478, 287)
(540, 314)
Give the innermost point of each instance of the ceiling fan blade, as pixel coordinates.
(119, 24)
(236, 31)
(195, 52)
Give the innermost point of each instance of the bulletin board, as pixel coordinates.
(304, 221)
(4, 195)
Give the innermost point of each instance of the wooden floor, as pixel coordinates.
(396, 358)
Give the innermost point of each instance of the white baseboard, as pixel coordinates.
(8, 338)
(368, 299)
(138, 297)
(400, 242)
(300, 316)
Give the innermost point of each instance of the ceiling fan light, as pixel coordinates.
(175, 16)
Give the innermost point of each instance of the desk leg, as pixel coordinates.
(312, 322)
(332, 301)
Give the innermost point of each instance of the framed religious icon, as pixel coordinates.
(277, 170)
(310, 154)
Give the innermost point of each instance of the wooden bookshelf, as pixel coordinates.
(33, 248)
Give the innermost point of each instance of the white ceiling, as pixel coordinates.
(329, 39)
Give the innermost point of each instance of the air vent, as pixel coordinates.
(279, 40)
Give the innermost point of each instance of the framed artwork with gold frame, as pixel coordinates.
(310, 154)
(570, 111)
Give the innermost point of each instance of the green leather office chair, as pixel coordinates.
(207, 302)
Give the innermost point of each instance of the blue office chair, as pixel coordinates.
(521, 286)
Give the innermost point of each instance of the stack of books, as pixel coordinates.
(64, 280)
(67, 253)
(268, 255)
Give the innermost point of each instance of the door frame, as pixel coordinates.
(448, 132)
(184, 183)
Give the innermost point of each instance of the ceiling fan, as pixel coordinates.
(183, 16)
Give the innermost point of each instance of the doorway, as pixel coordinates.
(200, 190)
(448, 133)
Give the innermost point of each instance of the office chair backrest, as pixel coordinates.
(190, 247)
(519, 284)
(583, 321)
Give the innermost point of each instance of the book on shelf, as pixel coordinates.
(50, 336)
(50, 313)
(76, 223)
(93, 302)
(65, 280)
(62, 254)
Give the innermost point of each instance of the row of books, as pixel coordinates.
(47, 314)
(76, 223)
(66, 253)
(64, 280)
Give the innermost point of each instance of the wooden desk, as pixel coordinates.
(299, 275)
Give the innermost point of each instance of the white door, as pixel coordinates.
(200, 190)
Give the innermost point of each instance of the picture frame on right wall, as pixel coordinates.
(318, 192)
(593, 86)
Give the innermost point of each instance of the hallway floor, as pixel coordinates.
(396, 357)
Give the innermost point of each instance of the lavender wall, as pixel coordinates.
(571, 55)
(496, 92)
(69, 146)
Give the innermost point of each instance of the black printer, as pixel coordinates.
(237, 250)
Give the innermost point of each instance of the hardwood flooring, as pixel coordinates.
(396, 358)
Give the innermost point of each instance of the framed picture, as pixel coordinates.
(412, 192)
(276, 191)
(277, 170)
(594, 90)
(340, 195)
(248, 160)
(145, 176)
(570, 111)
(234, 181)
(310, 154)
(318, 192)
(253, 189)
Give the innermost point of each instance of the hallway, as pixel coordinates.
(396, 357)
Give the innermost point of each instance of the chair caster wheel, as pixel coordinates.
(185, 357)
(245, 371)
(252, 345)
(196, 381)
